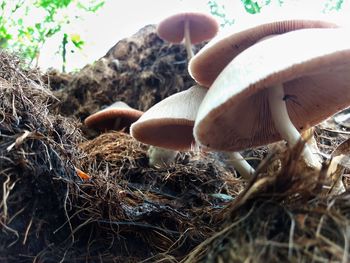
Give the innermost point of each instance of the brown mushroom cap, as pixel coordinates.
(206, 65)
(312, 64)
(117, 116)
(169, 123)
(202, 27)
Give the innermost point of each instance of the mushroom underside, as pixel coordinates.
(223, 49)
(116, 123)
(309, 99)
(166, 135)
(114, 119)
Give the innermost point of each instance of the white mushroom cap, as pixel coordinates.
(312, 64)
(206, 65)
(169, 123)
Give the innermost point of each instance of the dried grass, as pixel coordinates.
(36, 160)
(284, 215)
(169, 209)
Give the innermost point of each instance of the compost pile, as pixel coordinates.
(68, 196)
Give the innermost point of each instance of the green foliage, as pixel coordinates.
(93, 6)
(25, 25)
(77, 41)
(54, 4)
(251, 6)
(219, 11)
(256, 6)
(333, 5)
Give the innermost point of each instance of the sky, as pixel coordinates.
(118, 19)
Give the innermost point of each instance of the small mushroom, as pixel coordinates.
(275, 89)
(169, 125)
(193, 27)
(117, 116)
(207, 64)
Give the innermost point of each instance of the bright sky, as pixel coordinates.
(118, 19)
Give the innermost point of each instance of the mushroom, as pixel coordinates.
(269, 92)
(169, 124)
(117, 116)
(207, 64)
(193, 27)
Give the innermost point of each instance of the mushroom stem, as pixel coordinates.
(160, 157)
(240, 164)
(284, 125)
(188, 43)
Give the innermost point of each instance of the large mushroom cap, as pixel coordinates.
(206, 65)
(202, 27)
(312, 64)
(169, 123)
(117, 116)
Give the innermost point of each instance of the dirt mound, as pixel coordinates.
(140, 70)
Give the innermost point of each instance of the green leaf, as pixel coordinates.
(251, 6)
(77, 41)
(38, 26)
(53, 31)
(93, 7)
(55, 4)
(3, 4)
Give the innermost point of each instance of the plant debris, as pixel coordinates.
(37, 158)
(285, 216)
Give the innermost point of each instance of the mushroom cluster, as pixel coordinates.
(271, 82)
(266, 94)
(266, 81)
